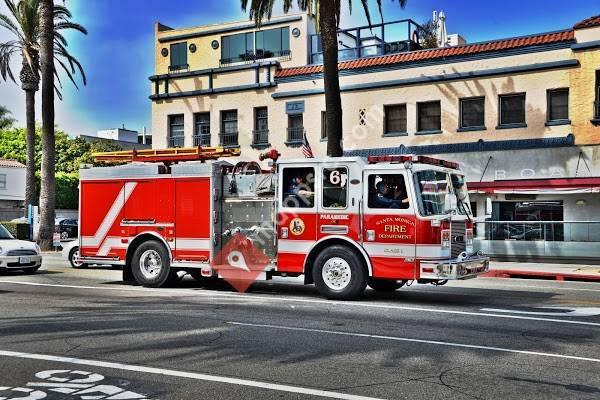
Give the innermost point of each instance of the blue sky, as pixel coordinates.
(118, 53)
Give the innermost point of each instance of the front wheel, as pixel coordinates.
(339, 273)
(385, 285)
(151, 265)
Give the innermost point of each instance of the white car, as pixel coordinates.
(70, 251)
(18, 254)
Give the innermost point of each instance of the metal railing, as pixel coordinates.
(179, 68)
(202, 139)
(550, 231)
(229, 138)
(176, 141)
(295, 135)
(251, 57)
(260, 136)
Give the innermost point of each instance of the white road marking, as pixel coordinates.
(568, 311)
(403, 339)
(280, 299)
(188, 375)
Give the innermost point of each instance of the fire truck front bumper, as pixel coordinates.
(454, 269)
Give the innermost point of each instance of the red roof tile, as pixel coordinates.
(430, 54)
(10, 163)
(588, 23)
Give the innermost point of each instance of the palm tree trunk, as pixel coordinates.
(30, 139)
(48, 184)
(333, 101)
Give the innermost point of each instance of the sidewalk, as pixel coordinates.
(540, 270)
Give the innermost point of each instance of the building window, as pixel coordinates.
(395, 119)
(2, 181)
(472, 113)
(261, 126)
(202, 129)
(237, 48)
(273, 43)
(295, 129)
(178, 57)
(323, 125)
(597, 102)
(229, 128)
(512, 110)
(176, 131)
(558, 105)
(429, 117)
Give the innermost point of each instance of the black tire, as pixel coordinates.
(351, 287)
(72, 254)
(30, 271)
(385, 285)
(163, 275)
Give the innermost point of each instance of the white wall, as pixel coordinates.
(15, 184)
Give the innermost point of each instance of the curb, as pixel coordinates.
(559, 276)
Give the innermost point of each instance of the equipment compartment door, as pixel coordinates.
(389, 224)
(193, 219)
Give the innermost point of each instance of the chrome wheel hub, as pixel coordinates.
(76, 260)
(336, 273)
(150, 264)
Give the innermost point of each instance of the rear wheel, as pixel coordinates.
(75, 259)
(339, 273)
(151, 265)
(385, 285)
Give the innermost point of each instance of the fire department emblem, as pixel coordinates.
(240, 262)
(297, 226)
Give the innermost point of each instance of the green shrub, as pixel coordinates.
(67, 189)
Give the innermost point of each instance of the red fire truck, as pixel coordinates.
(342, 223)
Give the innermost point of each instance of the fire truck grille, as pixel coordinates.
(458, 243)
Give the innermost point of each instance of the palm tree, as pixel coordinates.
(25, 27)
(5, 120)
(328, 20)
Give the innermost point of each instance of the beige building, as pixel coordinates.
(521, 114)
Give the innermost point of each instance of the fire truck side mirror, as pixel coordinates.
(488, 207)
(450, 203)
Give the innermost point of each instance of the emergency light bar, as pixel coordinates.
(400, 158)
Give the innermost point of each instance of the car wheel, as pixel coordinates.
(75, 260)
(64, 235)
(151, 265)
(339, 273)
(29, 271)
(385, 285)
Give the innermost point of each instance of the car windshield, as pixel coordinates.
(4, 233)
(432, 187)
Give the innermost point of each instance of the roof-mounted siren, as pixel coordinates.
(402, 158)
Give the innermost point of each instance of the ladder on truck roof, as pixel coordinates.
(167, 156)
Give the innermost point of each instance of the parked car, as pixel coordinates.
(70, 251)
(18, 254)
(67, 227)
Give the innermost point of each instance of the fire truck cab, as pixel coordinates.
(342, 223)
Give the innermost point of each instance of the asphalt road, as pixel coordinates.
(82, 334)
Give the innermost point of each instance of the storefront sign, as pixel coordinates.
(294, 107)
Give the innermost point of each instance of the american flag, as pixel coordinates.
(306, 150)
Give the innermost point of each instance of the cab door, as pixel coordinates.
(389, 223)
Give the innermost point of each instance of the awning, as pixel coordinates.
(537, 186)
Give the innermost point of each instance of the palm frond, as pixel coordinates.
(7, 23)
(7, 50)
(70, 25)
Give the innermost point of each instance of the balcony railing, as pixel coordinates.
(260, 137)
(295, 135)
(368, 41)
(229, 139)
(177, 141)
(550, 231)
(201, 139)
(251, 57)
(179, 68)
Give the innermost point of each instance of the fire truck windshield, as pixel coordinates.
(431, 188)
